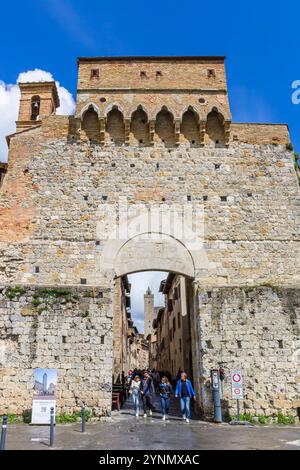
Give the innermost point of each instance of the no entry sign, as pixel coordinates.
(236, 385)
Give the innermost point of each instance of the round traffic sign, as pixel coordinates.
(236, 378)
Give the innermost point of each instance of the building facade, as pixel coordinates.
(156, 131)
(130, 349)
(174, 326)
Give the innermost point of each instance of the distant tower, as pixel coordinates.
(38, 100)
(45, 382)
(149, 312)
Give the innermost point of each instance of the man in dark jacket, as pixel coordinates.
(147, 390)
(185, 391)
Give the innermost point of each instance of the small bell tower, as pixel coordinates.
(38, 100)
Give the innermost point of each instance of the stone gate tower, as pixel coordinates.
(157, 132)
(149, 312)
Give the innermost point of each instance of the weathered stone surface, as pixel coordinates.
(62, 333)
(65, 176)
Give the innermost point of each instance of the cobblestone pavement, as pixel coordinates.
(125, 431)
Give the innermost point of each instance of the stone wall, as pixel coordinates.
(65, 177)
(257, 330)
(53, 190)
(66, 329)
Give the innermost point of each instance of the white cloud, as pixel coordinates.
(9, 103)
(139, 284)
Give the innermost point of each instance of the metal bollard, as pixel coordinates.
(51, 427)
(3, 433)
(83, 419)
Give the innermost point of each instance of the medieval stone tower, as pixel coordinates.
(149, 312)
(147, 132)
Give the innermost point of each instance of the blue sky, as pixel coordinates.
(259, 38)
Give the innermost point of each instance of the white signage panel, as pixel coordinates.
(45, 381)
(237, 392)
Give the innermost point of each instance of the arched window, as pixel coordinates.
(190, 127)
(115, 127)
(215, 127)
(91, 126)
(35, 107)
(164, 127)
(139, 127)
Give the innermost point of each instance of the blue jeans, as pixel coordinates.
(185, 406)
(136, 401)
(165, 404)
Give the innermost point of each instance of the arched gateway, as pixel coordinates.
(157, 132)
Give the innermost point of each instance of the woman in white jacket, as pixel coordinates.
(135, 391)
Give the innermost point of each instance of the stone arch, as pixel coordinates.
(113, 106)
(190, 126)
(90, 124)
(115, 127)
(88, 107)
(215, 131)
(165, 253)
(139, 126)
(164, 127)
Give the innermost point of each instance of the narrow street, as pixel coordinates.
(124, 431)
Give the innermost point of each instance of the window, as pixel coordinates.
(176, 293)
(211, 73)
(180, 345)
(95, 73)
(174, 325)
(35, 108)
(170, 305)
(179, 319)
(143, 74)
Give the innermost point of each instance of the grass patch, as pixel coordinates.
(64, 418)
(13, 292)
(285, 419)
(44, 296)
(264, 419)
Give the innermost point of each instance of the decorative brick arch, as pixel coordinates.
(160, 108)
(87, 108)
(137, 108)
(113, 106)
(194, 110)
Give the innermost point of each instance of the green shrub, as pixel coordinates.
(263, 419)
(285, 419)
(64, 418)
(290, 147)
(243, 417)
(13, 418)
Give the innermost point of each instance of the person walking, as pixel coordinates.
(165, 391)
(185, 391)
(147, 390)
(135, 391)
